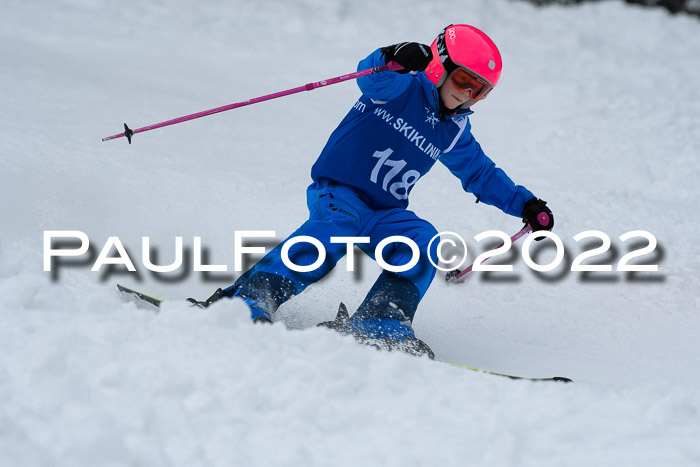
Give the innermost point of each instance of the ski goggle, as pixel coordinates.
(463, 80)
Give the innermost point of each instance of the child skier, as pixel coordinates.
(401, 125)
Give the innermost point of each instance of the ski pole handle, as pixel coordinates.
(129, 133)
(543, 219)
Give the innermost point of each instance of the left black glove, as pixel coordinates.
(412, 56)
(538, 215)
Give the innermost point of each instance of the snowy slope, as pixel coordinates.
(597, 112)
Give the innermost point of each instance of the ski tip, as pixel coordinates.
(556, 379)
(142, 296)
(561, 379)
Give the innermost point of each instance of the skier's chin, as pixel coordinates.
(456, 102)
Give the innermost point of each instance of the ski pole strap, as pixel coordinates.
(391, 66)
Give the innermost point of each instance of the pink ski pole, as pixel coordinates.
(129, 133)
(542, 218)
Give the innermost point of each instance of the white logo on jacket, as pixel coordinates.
(432, 119)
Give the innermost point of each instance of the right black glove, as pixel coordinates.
(412, 56)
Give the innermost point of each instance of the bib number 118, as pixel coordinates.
(398, 189)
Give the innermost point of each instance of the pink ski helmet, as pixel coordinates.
(465, 46)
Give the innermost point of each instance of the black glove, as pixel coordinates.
(412, 56)
(538, 215)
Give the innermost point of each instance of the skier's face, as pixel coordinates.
(459, 88)
(451, 96)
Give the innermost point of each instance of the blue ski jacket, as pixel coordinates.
(395, 133)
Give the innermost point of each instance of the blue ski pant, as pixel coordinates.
(339, 211)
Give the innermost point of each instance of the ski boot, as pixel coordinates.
(382, 333)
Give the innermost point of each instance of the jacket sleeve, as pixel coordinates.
(386, 85)
(480, 176)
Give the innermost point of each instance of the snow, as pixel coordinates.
(598, 113)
